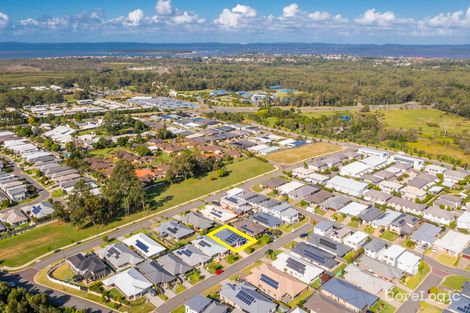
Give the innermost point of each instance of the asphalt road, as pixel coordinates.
(170, 305)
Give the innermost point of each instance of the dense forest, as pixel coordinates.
(444, 84)
(18, 300)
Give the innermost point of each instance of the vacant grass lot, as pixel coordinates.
(29, 245)
(455, 282)
(295, 155)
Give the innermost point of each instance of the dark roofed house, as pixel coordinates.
(249, 227)
(274, 183)
(315, 255)
(175, 230)
(303, 192)
(319, 303)
(369, 214)
(88, 266)
(328, 245)
(335, 203)
(231, 238)
(318, 197)
(373, 247)
(155, 273)
(352, 297)
(173, 264)
(425, 235)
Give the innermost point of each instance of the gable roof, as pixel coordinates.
(191, 255)
(155, 272)
(145, 245)
(247, 298)
(174, 229)
(197, 220)
(209, 246)
(349, 293)
(119, 255)
(89, 265)
(130, 282)
(328, 245)
(173, 264)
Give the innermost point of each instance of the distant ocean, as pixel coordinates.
(15, 50)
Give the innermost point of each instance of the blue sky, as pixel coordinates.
(340, 21)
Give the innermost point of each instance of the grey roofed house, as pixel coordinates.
(57, 169)
(192, 255)
(197, 221)
(375, 245)
(2, 227)
(447, 200)
(231, 238)
(369, 214)
(155, 272)
(209, 246)
(426, 234)
(384, 174)
(246, 195)
(88, 266)
(369, 178)
(335, 203)
(268, 204)
(406, 205)
(258, 199)
(377, 196)
(266, 220)
(246, 298)
(319, 303)
(421, 180)
(405, 224)
(328, 245)
(13, 217)
(273, 183)
(314, 255)
(197, 304)
(249, 227)
(379, 268)
(319, 197)
(216, 307)
(303, 192)
(348, 293)
(174, 229)
(173, 264)
(323, 226)
(243, 144)
(119, 255)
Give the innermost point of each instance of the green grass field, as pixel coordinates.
(455, 282)
(23, 248)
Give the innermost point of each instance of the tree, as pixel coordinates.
(86, 208)
(164, 133)
(142, 150)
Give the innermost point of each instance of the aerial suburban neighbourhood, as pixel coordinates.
(142, 175)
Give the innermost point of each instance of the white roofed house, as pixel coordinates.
(391, 254)
(355, 169)
(463, 222)
(347, 186)
(371, 151)
(353, 209)
(285, 212)
(130, 282)
(39, 211)
(434, 169)
(406, 206)
(302, 172)
(418, 164)
(289, 187)
(389, 186)
(376, 196)
(408, 262)
(356, 240)
(296, 267)
(217, 213)
(455, 176)
(145, 245)
(452, 242)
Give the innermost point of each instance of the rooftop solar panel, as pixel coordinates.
(268, 280)
(142, 246)
(245, 297)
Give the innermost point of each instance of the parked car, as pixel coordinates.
(153, 292)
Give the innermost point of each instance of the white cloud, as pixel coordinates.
(373, 18)
(4, 19)
(290, 10)
(320, 16)
(187, 18)
(134, 18)
(163, 7)
(234, 18)
(449, 20)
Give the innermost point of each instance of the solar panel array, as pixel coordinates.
(268, 280)
(142, 246)
(297, 266)
(203, 243)
(245, 297)
(464, 309)
(36, 209)
(328, 243)
(186, 252)
(318, 258)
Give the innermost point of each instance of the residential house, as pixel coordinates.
(328, 245)
(130, 282)
(425, 235)
(275, 283)
(452, 243)
(88, 266)
(423, 181)
(302, 192)
(408, 262)
(449, 201)
(266, 220)
(434, 169)
(156, 273)
(173, 264)
(366, 281)
(244, 297)
(439, 216)
(391, 254)
(375, 247)
(376, 196)
(13, 217)
(369, 215)
(354, 298)
(315, 255)
(323, 228)
(413, 193)
(296, 267)
(390, 186)
(218, 214)
(192, 256)
(356, 240)
(174, 230)
(384, 220)
(406, 206)
(197, 304)
(145, 245)
(404, 224)
(197, 221)
(353, 209)
(249, 227)
(119, 256)
(455, 176)
(39, 211)
(347, 186)
(210, 247)
(335, 203)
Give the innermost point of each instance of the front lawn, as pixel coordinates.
(25, 247)
(388, 235)
(300, 298)
(447, 259)
(455, 282)
(295, 155)
(414, 281)
(382, 307)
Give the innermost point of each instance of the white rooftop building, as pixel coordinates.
(353, 209)
(289, 187)
(145, 245)
(453, 242)
(408, 262)
(130, 282)
(347, 186)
